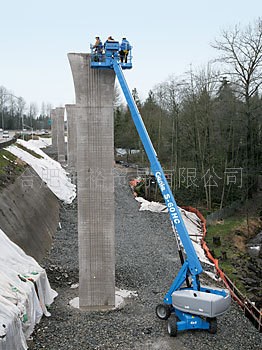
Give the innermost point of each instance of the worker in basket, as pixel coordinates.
(124, 50)
(98, 49)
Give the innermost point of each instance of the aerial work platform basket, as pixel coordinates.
(104, 58)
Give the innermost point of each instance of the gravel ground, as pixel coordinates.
(146, 262)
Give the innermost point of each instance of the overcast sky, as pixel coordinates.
(167, 37)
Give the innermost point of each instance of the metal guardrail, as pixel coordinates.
(101, 56)
(250, 310)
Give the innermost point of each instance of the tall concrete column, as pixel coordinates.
(54, 130)
(71, 112)
(60, 134)
(94, 91)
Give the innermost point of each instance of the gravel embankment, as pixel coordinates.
(146, 262)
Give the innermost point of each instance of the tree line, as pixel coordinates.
(15, 114)
(206, 126)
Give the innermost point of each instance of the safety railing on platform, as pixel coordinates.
(99, 56)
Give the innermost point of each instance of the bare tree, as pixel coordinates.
(32, 112)
(43, 109)
(198, 123)
(49, 106)
(3, 99)
(160, 96)
(170, 102)
(21, 107)
(241, 52)
(118, 99)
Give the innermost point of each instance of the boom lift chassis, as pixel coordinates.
(187, 304)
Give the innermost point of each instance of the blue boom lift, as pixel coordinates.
(187, 304)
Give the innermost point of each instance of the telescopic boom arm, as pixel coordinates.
(192, 260)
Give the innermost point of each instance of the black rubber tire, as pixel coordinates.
(212, 325)
(163, 311)
(172, 326)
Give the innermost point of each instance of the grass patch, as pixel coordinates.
(10, 167)
(36, 155)
(224, 233)
(45, 136)
(230, 250)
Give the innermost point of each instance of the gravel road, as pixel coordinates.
(146, 262)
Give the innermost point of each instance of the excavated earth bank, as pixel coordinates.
(29, 213)
(146, 262)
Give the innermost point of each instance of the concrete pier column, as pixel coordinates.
(71, 112)
(54, 130)
(60, 134)
(94, 91)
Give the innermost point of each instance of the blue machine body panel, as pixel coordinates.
(191, 267)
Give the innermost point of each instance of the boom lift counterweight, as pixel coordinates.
(187, 304)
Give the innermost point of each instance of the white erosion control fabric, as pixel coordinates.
(25, 293)
(120, 296)
(49, 170)
(191, 220)
(40, 143)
